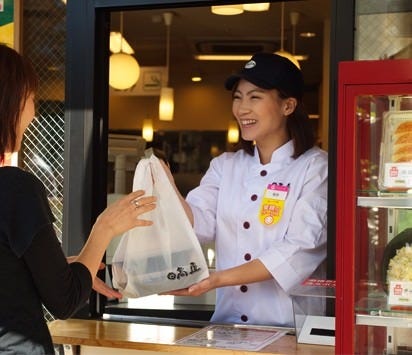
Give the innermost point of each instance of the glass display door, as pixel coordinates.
(374, 208)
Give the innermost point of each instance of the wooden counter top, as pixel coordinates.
(159, 338)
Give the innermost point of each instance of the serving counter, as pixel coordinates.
(89, 337)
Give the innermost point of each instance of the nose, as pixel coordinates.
(240, 107)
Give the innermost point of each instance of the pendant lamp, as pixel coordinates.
(233, 132)
(124, 70)
(294, 19)
(282, 51)
(166, 103)
(147, 130)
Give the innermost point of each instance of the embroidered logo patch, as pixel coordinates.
(250, 64)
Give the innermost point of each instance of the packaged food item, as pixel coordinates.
(402, 143)
(395, 172)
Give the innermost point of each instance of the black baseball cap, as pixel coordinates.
(270, 71)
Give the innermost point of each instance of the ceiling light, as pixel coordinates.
(147, 130)
(196, 78)
(117, 40)
(166, 102)
(282, 51)
(235, 57)
(294, 19)
(124, 70)
(300, 57)
(261, 6)
(307, 34)
(227, 10)
(233, 132)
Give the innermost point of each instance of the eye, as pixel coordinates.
(236, 97)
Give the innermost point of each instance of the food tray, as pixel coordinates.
(395, 171)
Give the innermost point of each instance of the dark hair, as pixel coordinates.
(299, 128)
(17, 81)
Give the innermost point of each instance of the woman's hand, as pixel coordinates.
(196, 289)
(124, 214)
(253, 271)
(98, 284)
(101, 287)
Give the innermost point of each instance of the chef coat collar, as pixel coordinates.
(281, 155)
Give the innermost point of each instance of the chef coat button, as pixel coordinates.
(246, 225)
(243, 288)
(263, 173)
(247, 256)
(253, 197)
(244, 318)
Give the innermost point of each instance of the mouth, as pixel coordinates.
(247, 123)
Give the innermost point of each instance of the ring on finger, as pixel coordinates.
(136, 204)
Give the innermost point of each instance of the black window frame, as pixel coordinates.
(86, 110)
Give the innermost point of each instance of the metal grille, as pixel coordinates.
(43, 41)
(383, 29)
(43, 156)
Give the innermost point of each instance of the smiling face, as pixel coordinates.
(262, 115)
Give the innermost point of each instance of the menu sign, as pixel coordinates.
(235, 337)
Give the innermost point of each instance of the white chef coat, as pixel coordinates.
(225, 208)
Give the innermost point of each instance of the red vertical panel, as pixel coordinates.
(345, 200)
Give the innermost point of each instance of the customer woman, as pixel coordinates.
(34, 270)
(264, 205)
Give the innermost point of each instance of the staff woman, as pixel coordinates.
(264, 205)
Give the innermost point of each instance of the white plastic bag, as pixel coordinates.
(165, 256)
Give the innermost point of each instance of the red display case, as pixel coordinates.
(374, 207)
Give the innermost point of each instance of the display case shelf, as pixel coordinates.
(384, 319)
(375, 311)
(386, 201)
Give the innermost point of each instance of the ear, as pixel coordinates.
(289, 105)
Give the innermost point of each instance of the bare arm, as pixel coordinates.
(253, 271)
(114, 220)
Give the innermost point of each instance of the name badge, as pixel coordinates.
(273, 203)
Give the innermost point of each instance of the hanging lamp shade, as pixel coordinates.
(124, 71)
(289, 56)
(147, 130)
(282, 51)
(233, 132)
(166, 104)
(119, 44)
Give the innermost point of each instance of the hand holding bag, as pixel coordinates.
(162, 257)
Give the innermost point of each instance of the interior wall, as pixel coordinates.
(197, 107)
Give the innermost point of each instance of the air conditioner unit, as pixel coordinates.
(124, 152)
(131, 146)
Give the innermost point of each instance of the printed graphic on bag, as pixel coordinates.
(181, 272)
